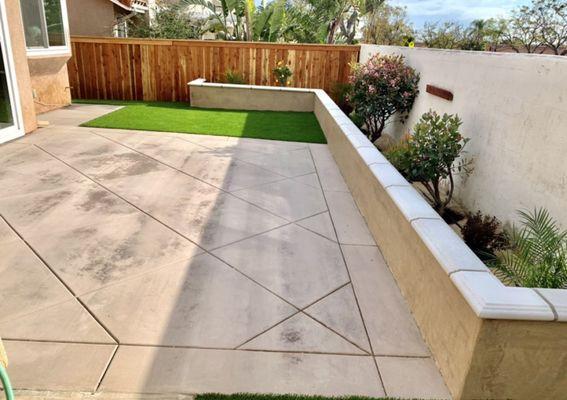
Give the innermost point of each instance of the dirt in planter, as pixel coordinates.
(452, 216)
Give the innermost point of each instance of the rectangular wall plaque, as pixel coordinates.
(436, 91)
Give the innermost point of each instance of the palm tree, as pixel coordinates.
(241, 20)
(342, 17)
(232, 16)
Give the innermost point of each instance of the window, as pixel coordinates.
(45, 25)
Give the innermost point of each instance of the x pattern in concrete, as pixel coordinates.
(168, 263)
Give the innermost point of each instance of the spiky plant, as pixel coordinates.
(538, 253)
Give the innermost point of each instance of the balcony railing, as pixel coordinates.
(134, 5)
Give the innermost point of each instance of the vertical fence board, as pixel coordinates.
(159, 70)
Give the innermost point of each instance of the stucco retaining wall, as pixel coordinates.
(489, 341)
(249, 97)
(483, 335)
(514, 109)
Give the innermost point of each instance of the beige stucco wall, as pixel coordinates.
(46, 78)
(514, 109)
(519, 360)
(479, 358)
(50, 82)
(90, 17)
(242, 97)
(20, 61)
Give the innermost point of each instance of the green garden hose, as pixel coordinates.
(6, 383)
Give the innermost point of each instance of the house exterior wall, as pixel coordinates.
(514, 109)
(23, 79)
(50, 82)
(91, 17)
(43, 81)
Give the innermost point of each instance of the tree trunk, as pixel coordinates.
(332, 30)
(248, 19)
(375, 129)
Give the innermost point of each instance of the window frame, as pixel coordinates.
(52, 50)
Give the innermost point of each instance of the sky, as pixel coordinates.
(420, 11)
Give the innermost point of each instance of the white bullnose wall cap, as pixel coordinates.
(411, 203)
(558, 299)
(359, 140)
(490, 299)
(337, 114)
(371, 155)
(341, 119)
(447, 247)
(231, 86)
(197, 82)
(325, 99)
(268, 88)
(349, 128)
(388, 175)
(290, 89)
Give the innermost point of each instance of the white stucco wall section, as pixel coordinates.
(514, 109)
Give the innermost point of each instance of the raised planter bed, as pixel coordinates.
(490, 341)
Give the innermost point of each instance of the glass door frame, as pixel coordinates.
(17, 129)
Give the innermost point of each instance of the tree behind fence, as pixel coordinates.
(159, 70)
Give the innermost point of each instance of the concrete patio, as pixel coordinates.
(142, 262)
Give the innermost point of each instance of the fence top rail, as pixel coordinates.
(216, 43)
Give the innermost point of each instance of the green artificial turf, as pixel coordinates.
(249, 396)
(180, 117)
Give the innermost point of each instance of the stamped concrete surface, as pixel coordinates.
(161, 263)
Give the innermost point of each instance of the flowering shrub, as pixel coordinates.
(380, 88)
(431, 156)
(282, 73)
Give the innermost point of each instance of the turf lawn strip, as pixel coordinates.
(250, 396)
(181, 118)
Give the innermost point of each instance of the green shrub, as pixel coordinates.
(381, 87)
(538, 253)
(484, 235)
(235, 77)
(432, 155)
(340, 92)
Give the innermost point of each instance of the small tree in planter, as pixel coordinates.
(282, 73)
(432, 155)
(380, 88)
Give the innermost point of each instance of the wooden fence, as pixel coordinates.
(142, 69)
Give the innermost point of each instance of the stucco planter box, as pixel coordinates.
(489, 341)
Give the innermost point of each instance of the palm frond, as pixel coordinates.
(538, 255)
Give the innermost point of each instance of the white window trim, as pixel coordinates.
(54, 51)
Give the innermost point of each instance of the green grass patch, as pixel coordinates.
(249, 396)
(179, 117)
